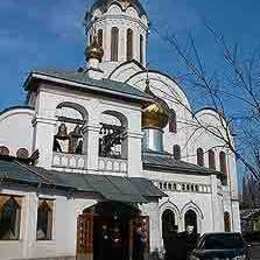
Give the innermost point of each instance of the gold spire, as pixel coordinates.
(94, 51)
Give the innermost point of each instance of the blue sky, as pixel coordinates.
(49, 34)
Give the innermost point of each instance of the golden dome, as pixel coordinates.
(155, 115)
(94, 51)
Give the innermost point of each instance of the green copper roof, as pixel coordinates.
(166, 162)
(88, 84)
(113, 188)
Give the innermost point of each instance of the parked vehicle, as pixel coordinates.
(221, 246)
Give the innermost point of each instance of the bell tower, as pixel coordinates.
(121, 28)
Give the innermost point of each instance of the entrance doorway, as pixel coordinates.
(107, 231)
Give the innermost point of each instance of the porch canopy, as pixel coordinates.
(113, 188)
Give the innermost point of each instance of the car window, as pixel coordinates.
(222, 241)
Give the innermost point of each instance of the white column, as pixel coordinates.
(152, 210)
(29, 224)
(44, 131)
(91, 133)
(135, 154)
(122, 44)
(217, 206)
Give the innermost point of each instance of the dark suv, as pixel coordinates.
(221, 246)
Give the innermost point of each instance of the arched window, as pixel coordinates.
(190, 219)
(227, 222)
(168, 222)
(200, 157)
(173, 122)
(141, 49)
(113, 141)
(44, 220)
(212, 161)
(10, 217)
(177, 152)
(114, 43)
(100, 37)
(223, 162)
(129, 48)
(69, 137)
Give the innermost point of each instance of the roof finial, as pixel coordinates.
(147, 82)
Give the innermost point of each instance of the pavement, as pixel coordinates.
(255, 252)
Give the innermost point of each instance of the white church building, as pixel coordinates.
(113, 143)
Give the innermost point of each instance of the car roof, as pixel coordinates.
(223, 233)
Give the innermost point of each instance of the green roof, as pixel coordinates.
(89, 84)
(166, 162)
(113, 188)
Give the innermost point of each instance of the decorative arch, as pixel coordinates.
(168, 89)
(75, 106)
(115, 8)
(125, 69)
(121, 117)
(193, 206)
(171, 206)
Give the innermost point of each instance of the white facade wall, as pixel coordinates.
(64, 231)
(16, 130)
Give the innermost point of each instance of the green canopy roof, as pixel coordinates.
(115, 188)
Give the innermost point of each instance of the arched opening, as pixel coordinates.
(10, 217)
(129, 42)
(141, 49)
(172, 122)
(212, 161)
(69, 138)
(227, 222)
(114, 43)
(200, 157)
(112, 135)
(177, 152)
(108, 231)
(168, 223)
(190, 219)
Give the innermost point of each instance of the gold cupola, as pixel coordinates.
(155, 115)
(94, 51)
